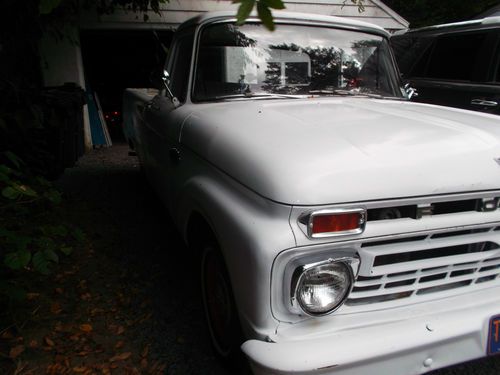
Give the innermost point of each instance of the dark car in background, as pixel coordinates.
(456, 64)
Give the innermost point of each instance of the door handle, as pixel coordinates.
(484, 103)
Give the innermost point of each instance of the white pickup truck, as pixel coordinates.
(339, 227)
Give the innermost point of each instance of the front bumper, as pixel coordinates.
(444, 332)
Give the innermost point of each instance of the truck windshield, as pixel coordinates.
(249, 61)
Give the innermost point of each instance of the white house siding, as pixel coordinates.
(178, 11)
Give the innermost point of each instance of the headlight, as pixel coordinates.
(322, 287)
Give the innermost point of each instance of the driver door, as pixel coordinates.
(163, 119)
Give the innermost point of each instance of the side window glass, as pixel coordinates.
(454, 56)
(180, 67)
(412, 54)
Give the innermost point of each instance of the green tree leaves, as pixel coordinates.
(263, 10)
(23, 245)
(47, 6)
(244, 10)
(265, 15)
(17, 260)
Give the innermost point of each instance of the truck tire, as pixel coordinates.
(220, 309)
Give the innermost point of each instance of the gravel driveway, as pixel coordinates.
(132, 227)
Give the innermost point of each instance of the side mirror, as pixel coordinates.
(410, 91)
(165, 78)
(160, 79)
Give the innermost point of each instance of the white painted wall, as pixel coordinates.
(62, 62)
(178, 11)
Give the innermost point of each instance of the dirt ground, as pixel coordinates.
(126, 301)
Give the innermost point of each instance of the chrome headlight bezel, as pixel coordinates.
(352, 266)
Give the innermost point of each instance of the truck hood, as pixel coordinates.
(338, 150)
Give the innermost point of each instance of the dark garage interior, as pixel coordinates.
(116, 59)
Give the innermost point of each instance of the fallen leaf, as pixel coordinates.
(86, 297)
(87, 328)
(161, 369)
(55, 308)
(32, 296)
(16, 351)
(74, 337)
(145, 351)
(96, 311)
(48, 341)
(59, 290)
(144, 363)
(121, 357)
(7, 335)
(146, 317)
(33, 344)
(120, 330)
(55, 369)
(132, 371)
(66, 328)
(79, 370)
(119, 344)
(82, 354)
(59, 358)
(112, 328)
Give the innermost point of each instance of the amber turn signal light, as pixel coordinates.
(327, 223)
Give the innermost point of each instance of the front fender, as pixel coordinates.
(250, 230)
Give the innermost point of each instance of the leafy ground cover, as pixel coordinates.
(120, 302)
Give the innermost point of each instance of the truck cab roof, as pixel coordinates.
(285, 17)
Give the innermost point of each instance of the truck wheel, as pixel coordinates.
(220, 309)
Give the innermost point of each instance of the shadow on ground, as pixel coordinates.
(129, 226)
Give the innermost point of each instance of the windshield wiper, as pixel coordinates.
(354, 93)
(250, 95)
(333, 92)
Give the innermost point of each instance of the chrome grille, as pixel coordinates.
(418, 266)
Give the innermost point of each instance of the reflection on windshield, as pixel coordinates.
(293, 60)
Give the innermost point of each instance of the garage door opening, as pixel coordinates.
(116, 59)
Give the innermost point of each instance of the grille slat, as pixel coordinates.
(425, 265)
(419, 285)
(435, 262)
(429, 272)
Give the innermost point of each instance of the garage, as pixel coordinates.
(116, 59)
